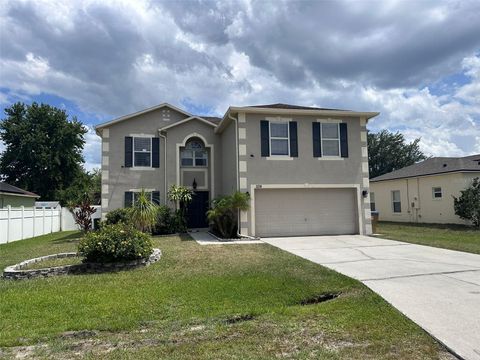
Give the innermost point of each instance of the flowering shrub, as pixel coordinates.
(118, 242)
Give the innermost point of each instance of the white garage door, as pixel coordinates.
(291, 212)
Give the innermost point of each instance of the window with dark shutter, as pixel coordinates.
(128, 199)
(155, 152)
(156, 197)
(343, 140)
(128, 151)
(317, 146)
(293, 139)
(265, 138)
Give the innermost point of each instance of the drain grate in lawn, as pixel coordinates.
(316, 299)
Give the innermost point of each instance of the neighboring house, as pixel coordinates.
(305, 168)
(15, 197)
(48, 204)
(424, 192)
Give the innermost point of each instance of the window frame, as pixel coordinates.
(399, 201)
(287, 123)
(142, 152)
(434, 192)
(330, 139)
(372, 202)
(136, 192)
(194, 157)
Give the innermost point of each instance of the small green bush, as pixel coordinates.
(165, 221)
(112, 243)
(117, 216)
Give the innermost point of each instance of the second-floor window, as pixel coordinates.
(142, 151)
(279, 138)
(194, 154)
(330, 139)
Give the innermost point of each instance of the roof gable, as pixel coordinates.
(198, 118)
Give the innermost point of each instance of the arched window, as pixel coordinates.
(194, 153)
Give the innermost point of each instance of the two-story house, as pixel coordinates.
(305, 168)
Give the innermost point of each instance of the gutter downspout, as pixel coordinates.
(237, 159)
(164, 137)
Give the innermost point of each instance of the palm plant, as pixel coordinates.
(144, 212)
(181, 196)
(224, 213)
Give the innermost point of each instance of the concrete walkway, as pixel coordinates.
(438, 289)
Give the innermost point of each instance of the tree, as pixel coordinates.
(467, 206)
(389, 151)
(85, 183)
(43, 148)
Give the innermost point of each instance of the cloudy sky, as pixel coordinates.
(417, 62)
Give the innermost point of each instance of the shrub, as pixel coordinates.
(119, 242)
(117, 216)
(467, 206)
(183, 196)
(144, 212)
(82, 213)
(224, 213)
(165, 221)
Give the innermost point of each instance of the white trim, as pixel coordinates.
(242, 150)
(282, 121)
(328, 158)
(105, 160)
(104, 174)
(242, 166)
(142, 135)
(243, 183)
(141, 112)
(106, 133)
(15, 194)
(187, 120)
(254, 187)
(139, 190)
(365, 167)
(134, 167)
(279, 157)
(364, 151)
(363, 136)
(242, 118)
(277, 119)
(212, 161)
(366, 182)
(142, 168)
(104, 203)
(242, 133)
(105, 146)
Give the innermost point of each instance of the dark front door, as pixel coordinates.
(197, 209)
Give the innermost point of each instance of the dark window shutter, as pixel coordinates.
(155, 152)
(265, 138)
(128, 198)
(317, 147)
(343, 140)
(156, 197)
(293, 139)
(128, 151)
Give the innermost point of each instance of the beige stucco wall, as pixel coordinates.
(16, 201)
(229, 159)
(305, 169)
(418, 203)
(116, 179)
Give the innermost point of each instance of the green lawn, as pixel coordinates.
(200, 302)
(454, 237)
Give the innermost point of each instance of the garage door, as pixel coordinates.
(291, 212)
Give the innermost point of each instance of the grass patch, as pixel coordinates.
(54, 263)
(453, 237)
(200, 302)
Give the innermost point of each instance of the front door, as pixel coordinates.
(197, 210)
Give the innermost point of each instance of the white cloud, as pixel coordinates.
(115, 57)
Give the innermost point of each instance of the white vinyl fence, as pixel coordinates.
(23, 223)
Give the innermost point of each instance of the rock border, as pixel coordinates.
(18, 271)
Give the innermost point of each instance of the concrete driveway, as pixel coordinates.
(438, 289)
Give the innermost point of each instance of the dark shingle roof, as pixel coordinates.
(433, 166)
(10, 189)
(292, 107)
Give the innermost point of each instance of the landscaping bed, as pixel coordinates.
(201, 302)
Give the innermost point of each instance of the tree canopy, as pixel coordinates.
(389, 151)
(467, 205)
(43, 149)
